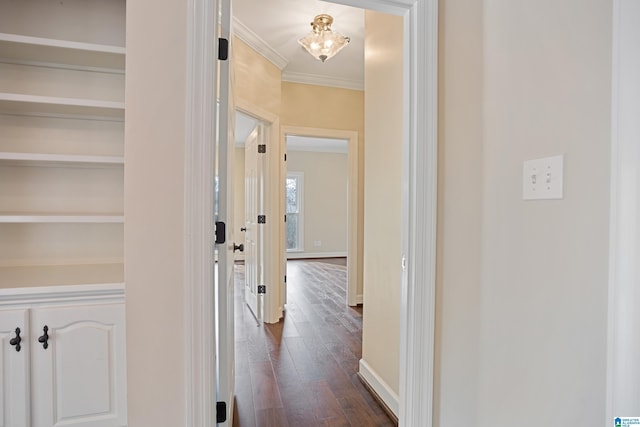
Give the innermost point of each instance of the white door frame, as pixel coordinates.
(354, 276)
(419, 199)
(419, 207)
(199, 292)
(623, 342)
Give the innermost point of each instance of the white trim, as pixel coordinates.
(417, 329)
(360, 299)
(319, 80)
(302, 255)
(380, 387)
(199, 298)
(623, 340)
(354, 280)
(77, 294)
(258, 44)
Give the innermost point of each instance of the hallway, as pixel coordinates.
(302, 371)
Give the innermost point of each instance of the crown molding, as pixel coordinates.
(318, 80)
(258, 44)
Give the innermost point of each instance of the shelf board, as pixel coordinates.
(26, 49)
(60, 219)
(40, 159)
(60, 275)
(15, 103)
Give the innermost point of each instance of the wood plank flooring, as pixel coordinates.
(302, 371)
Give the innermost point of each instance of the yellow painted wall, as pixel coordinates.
(257, 81)
(382, 196)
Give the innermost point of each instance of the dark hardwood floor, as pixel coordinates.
(302, 371)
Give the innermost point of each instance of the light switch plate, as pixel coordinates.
(542, 178)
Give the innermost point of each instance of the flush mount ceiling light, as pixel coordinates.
(321, 42)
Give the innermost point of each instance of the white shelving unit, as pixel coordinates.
(61, 53)
(61, 110)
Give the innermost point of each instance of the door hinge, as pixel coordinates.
(262, 148)
(221, 412)
(285, 278)
(285, 218)
(221, 231)
(262, 289)
(285, 157)
(223, 49)
(262, 219)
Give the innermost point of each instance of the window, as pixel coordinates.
(294, 189)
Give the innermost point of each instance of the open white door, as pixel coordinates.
(254, 208)
(224, 214)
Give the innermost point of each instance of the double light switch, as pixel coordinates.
(542, 178)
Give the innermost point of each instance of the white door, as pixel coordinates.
(14, 368)
(78, 366)
(254, 209)
(224, 267)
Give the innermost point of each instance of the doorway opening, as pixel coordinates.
(326, 161)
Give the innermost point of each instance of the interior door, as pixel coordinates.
(254, 238)
(224, 209)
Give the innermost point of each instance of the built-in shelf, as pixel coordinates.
(39, 159)
(61, 275)
(16, 103)
(60, 219)
(68, 54)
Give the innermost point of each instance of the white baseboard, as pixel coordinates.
(381, 388)
(298, 255)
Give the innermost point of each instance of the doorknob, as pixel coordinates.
(239, 247)
(243, 228)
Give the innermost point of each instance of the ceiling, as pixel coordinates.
(273, 27)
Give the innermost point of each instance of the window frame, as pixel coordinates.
(299, 177)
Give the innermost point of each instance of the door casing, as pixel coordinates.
(419, 207)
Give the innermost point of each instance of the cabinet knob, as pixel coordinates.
(17, 340)
(44, 339)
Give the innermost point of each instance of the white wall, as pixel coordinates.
(547, 89)
(382, 198)
(325, 199)
(154, 211)
(459, 232)
(624, 298)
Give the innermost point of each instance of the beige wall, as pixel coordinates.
(522, 286)
(459, 231)
(382, 196)
(154, 206)
(326, 178)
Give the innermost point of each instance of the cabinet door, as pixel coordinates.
(14, 369)
(80, 378)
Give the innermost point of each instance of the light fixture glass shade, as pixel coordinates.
(321, 42)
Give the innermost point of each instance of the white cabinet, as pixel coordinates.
(70, 368)
(14, 368)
